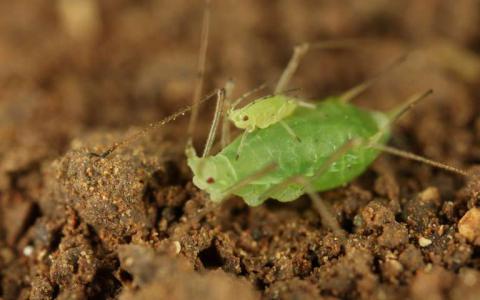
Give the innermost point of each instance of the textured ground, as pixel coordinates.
(76, 76)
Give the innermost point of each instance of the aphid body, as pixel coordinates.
(262, 113)
(322, 130)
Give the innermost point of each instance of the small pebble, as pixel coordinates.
(430, 195)
(178, 247)
(28, 250)
(469, 224)
(424, 242)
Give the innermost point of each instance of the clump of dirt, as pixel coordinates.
(108, 194)
(167, 276)
(82, 75)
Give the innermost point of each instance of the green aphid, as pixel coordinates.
(312, 147)
(262, 113)
(321, 130)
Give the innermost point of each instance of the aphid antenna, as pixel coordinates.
(221, 110)
(247, 95)
(216, 119)
(394, 116)
(263, 86)
(362, 87)
(202, 59)
(153, 126)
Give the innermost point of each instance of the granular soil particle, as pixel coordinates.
(78, 76)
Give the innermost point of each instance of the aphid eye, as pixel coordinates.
(245, 118)
(210, 180)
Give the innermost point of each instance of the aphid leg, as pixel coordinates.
(299, 52)
(304, 104)
(412, 156)
(325, 212)
(360, 88)
(225, 138)
(393, 117)
(245, 181)
(213, 127)
(210, 206)
(290, 131)
(328, 219)
(242, 141)
(200, 71)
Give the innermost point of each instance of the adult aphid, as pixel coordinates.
(322, 131)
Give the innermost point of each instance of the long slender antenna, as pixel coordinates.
(201, 69)
(411, 156)
(216, 118)
(358, 89)
(248, 94)
(153, 126)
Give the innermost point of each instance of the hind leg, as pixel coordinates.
(299, 53)
(328, 219)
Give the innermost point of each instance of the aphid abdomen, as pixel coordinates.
(322, 130)
(263, 112)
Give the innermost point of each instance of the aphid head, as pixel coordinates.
(210, 174)
(240, 118)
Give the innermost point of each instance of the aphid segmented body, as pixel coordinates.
(322, 131)
(263, 112)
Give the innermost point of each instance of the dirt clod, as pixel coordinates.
(469, 225)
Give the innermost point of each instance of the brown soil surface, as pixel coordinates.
(76, 76)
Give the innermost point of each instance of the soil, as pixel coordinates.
(77, 76)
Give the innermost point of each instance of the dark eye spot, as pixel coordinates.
(210, 180)
(245, 118)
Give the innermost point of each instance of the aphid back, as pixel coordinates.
(263, 112)
(322, 131)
